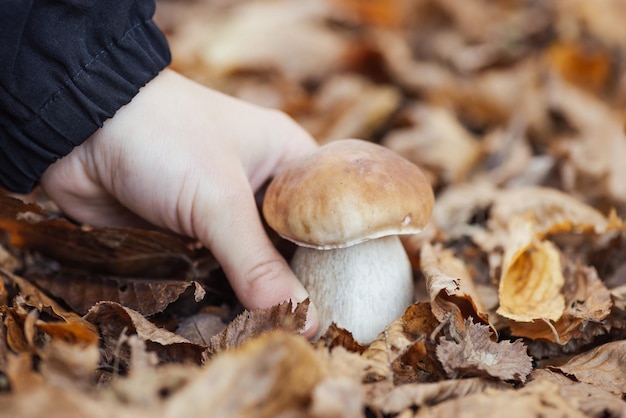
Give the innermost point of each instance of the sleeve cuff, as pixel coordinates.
(81, 105)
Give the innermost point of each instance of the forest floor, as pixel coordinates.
(514, 109)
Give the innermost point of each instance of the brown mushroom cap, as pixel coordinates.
(348, 192)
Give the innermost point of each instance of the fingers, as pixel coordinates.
(259, 275)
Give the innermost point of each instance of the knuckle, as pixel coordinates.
(265, 275)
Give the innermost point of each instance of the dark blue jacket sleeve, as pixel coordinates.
(65, 67)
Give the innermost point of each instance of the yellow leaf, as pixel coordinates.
(532, 280)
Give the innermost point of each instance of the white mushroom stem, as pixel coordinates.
(361, 288)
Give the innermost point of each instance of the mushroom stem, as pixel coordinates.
(361, 288)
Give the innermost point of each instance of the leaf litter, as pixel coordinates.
(515, 112)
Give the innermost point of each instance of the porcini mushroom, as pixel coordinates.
(345, 207)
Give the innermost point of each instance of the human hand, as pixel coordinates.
(187, 158)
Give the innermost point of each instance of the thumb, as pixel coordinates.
(258, 273)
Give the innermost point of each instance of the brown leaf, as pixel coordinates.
(385, 349)
(459, 203)
(603, 367)
(201, 327)
(349, 106)
(419, 362)
(542, 400)
(591, 400)
(123, 251)
(4, 347)
(53, 402)
(15, 337)
(254, 323)
(594, 159)
(68, 364)
(8, 261)
(81, 290)
(452, 293)
(116, 322)
(224, 48)
(531, 283)
(552, 211)
(402, 397)
(586, 67)
(378, 12)
(33, 297)
(272, 375)
(588, 303)
(419, 320)
(340, 337)
(477, 355)
(68, 352)
(438, 143)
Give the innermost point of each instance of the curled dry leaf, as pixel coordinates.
(588, 303)
(226, 48)
(33, 297)
(457, 204)
(477, 355)
(81, 289)
(594, 402)
(40, 399)
(531, 284)
(121, 251)
(542, 400)
(437, 142)
(116, 322)
(418, 363)
(452, 293)
(264, 377)
(251, 324)
(339, 337)
(603, 366)
(403, 397)
(385, 349)
(595, 158)
(67, 364)
(67, 351)
(349, 106)
(553, 211)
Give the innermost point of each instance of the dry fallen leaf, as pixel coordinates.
(531, 283)
(226, 50)
(250, 324)
(264, 377)
(403, 397)
(33, 297)
(603, 366)
(588, 304)
(350, 107)
(592, 401)
(452, 294)
(123, 251)
(438, 143)
(385, 349)
(553, 211)
(514, 109)
(541, 400)
(476, 355)
(115, 323)
(81, 289)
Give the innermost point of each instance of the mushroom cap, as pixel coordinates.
(348, 192)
